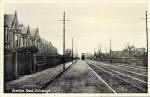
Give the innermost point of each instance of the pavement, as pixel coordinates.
(35, 80)
(79, 78)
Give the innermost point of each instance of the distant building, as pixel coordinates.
(120, 54)
(116, 54)
(140, 51)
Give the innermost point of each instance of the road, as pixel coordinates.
(96, 77)
(79, 78)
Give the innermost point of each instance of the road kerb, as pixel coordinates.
(57, 76)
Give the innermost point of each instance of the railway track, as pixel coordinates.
(131, 74)
(134, 69)
(133, 80)
(133, 66)
(120, 82)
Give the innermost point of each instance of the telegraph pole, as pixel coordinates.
(147, 32)
(100, 48)
(100, 53)
(110, 47)
(64, 20)
(94, 52)
(110, 51)
(147, 36)
(72, 49)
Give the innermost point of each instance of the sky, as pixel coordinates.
(90, 23)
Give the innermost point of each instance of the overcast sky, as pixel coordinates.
(90, 24)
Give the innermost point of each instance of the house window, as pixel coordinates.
(23, 41)
(35, 43)
(6, 34)
(32, 42)
(16, 25)
(16, 38)
(6, 37)
(19, 40)
(28, 42)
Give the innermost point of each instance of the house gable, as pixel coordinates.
(15, 24)
(8, 20)
(37, 36)
(32, 33)
(28, 32)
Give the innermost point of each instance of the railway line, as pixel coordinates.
(129, 68)
(119, 79)
(139, 70)
(131, 74)
(133, 66)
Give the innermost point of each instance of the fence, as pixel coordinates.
(17, 64)
(9, 65)
(44, 62)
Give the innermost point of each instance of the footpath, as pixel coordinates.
(35, 80)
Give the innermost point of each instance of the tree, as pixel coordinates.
(129, 50)
(68, 52)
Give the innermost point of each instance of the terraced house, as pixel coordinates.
(25, 35)
(11, 37)
(22, 47)
(11, 30)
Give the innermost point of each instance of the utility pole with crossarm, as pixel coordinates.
(147, 37)
(64, 22)
(72, 49)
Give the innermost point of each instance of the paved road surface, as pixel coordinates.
(78, 79)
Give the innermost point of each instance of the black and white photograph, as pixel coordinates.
(75, 47)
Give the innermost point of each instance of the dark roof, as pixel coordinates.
(8, 19)
(32, 32)
(23, 29)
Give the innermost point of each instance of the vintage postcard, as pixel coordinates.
(75, 48)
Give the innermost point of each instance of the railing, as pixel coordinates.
(44, 62)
